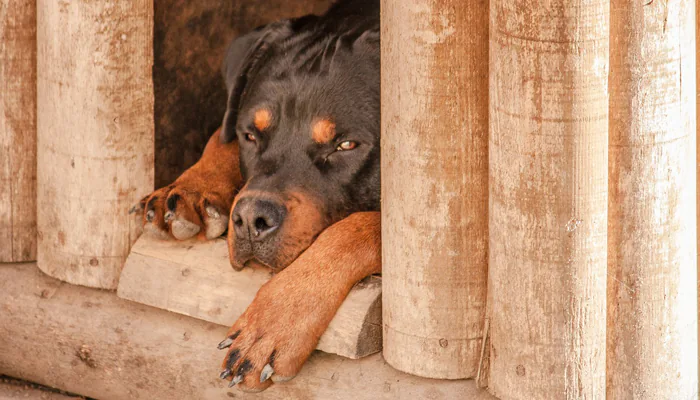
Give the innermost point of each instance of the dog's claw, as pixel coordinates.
(225, 373)
(150, 215)
(216, 223)
(212, 212)
(236, 380)
(225, 343)
(266, 373)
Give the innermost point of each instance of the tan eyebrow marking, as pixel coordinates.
(262, 119)
(323, 131)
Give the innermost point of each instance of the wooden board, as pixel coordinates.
(17, 130)
(434, 184)
(95, 135)
(91, 342)
(548, 156)
(195, 278)
(652, 233)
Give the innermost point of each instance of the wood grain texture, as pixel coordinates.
(195, 278)
(95, 135)
(190, 39)
(91, 342)
(434, 184)
(17, 131)
(652, 272)
(14, 389)
(548, 198)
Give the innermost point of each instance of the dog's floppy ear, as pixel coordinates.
(243, 57)
(367, 42)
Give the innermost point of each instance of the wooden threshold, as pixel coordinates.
(195, 278)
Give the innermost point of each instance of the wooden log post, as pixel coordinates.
(697, 152)
(17, 131)
(95, 135)
(434, 184)
(548, 198)
(652, 273)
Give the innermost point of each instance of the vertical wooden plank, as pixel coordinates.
(95, 134)
(434, 184)
(548, 198)
(652, 294)
(17, 131)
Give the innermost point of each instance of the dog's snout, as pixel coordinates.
(257, 219)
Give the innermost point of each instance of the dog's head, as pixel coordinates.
(304, 106)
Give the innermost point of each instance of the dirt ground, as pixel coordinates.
(12, 389)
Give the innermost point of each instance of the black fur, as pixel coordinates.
(302, 70)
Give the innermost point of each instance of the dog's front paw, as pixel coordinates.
(198, 203)
(273, 338)
(185, 209)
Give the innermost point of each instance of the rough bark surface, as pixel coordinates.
(548, 198)
(652, 272)
(95, 135)
(17, 131)
(434, 185)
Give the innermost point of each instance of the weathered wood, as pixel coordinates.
(91, 342)
(13, 389)
(434, 184)
(697, 152)
(189, 44)
(195, 278)
(652, 284)
(95, 134)
(17, 130)
(548, 156)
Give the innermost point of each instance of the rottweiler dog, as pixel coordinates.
(293, 175)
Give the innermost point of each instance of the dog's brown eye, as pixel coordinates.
(250, 137)
(347, 145)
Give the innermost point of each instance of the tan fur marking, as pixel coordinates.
(323, 131)
(303, 223)
(263, 118)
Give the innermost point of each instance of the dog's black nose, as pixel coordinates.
(257, 219)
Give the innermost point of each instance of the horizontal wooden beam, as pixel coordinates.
(195, 278)
(90, 342)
